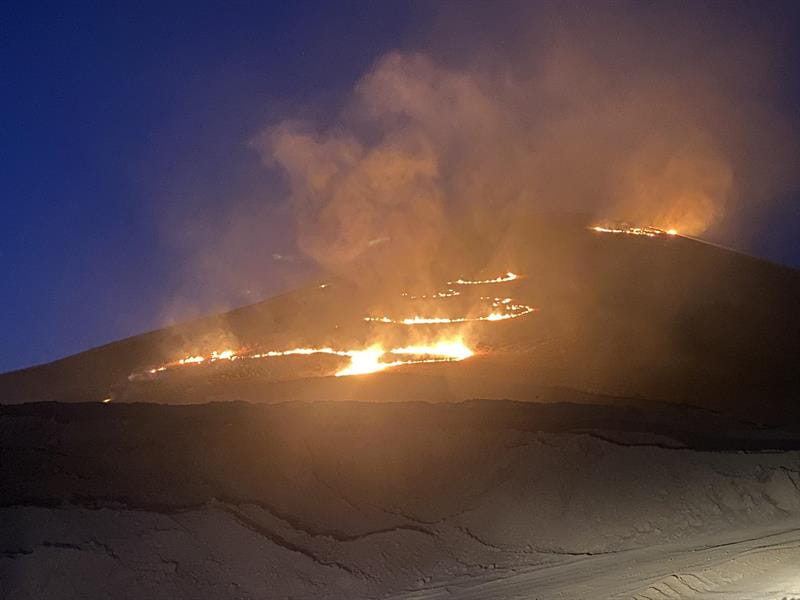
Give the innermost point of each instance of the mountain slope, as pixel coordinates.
(664, 318)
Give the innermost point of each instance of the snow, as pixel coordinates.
(414, 500)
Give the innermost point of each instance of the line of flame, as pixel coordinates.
(435, 296)
(501, 279)
(513, 311)
(376, 358)
(368, 360)
(644, 231)
(417, 320)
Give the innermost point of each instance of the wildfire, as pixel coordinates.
(501, 279)
(435, 296)
(376, 357)
(452, 349)
(368, 360)
(644, 231)
(191, 360)
(511, 311)
(501, 308)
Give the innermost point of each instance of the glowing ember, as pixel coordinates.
(434, 296)
(501, 279)
(454, 350)
(514, 311)
(643, 231)
(191, 360)
(503, 309)
(297, 352)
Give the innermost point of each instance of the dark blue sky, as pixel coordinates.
(123, 121)
(117, 117)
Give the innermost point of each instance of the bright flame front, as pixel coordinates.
(364, 361)
(641, 231)
(376, 357)
(500, 309)
(501, 279)
(369, 360)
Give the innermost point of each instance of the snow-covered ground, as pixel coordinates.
(758, 563)
(348, 500)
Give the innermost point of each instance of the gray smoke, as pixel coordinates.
(644, 118)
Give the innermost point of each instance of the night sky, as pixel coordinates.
(123, 124)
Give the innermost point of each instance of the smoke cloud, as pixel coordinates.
(647, 119)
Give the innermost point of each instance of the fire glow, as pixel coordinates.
(501, 279)
(501, 309)
(512, 311)
(435, 296)
(641, 231)
(373, 359)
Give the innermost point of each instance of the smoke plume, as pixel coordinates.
(652, 121)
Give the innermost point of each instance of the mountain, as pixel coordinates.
(548, 411)
(663, 318)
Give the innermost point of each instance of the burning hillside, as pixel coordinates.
(494, 308)
(369, 360)
(322, 485)
(430, 347)
(556, 305)
(377, 356)
(633, 230)
(503, 365)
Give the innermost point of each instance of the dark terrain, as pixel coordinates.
(667, 319)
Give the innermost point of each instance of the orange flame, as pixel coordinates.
(369, 360)
(501, 279)
(507, 310)
(519, 310)
(644, 231)
(374, 358)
